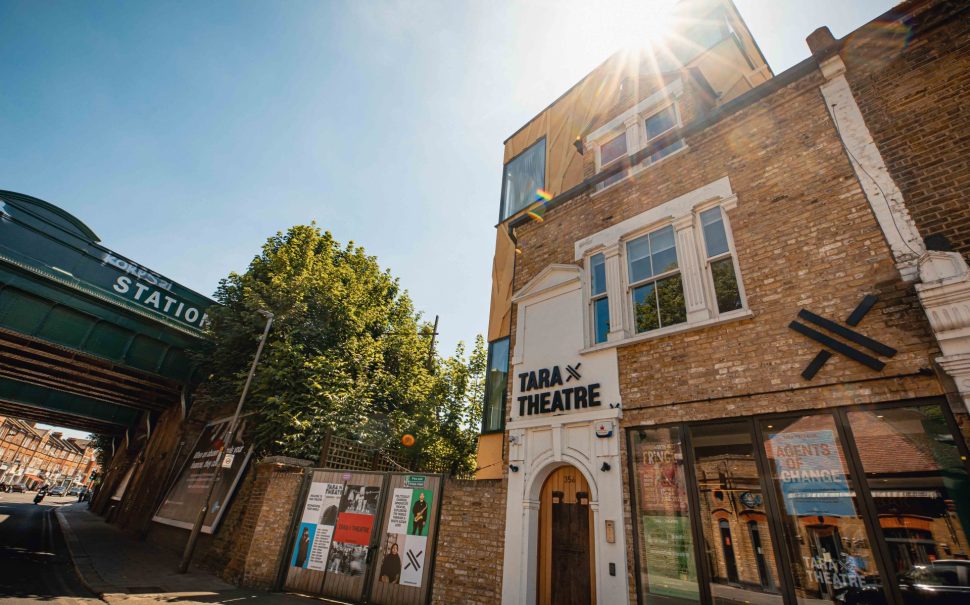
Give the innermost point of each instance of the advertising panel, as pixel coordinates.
(810, 473)
(185, 498)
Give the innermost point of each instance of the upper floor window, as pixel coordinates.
(610, 152)
(496, 383)
(660, 124)
(522, 176)
(599, 303)
(720, 261)
(668, 268)
(656, 286)
(634, 130)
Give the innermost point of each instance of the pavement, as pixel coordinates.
(119, 569)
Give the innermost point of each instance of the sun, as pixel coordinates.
(641, 24)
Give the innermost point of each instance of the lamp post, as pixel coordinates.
(200, 519)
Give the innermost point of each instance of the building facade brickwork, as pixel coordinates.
(716, 291)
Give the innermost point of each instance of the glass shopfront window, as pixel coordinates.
(848, 506)
(737, 539)
(921, 494)
(668, 573)
(825, 532)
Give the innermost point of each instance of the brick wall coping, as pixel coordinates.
(286, 461)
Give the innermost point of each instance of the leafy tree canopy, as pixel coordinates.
(347, 354)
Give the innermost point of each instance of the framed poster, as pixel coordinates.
(187, 495)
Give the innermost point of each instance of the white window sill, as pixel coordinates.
(635, 170)
(677, 329)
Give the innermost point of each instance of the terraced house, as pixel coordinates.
(32, 456)
(729, 352)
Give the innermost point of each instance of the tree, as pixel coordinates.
(347, 354)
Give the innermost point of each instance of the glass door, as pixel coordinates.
(825, 536)
(738, 546)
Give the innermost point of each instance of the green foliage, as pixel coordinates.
(347, 354)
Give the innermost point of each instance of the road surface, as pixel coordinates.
(34, 562)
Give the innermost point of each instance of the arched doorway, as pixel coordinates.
(566, 540)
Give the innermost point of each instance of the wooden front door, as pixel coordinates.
(566, 561)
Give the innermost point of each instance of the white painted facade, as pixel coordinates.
(549, 333)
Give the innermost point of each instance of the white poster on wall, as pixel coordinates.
(397, 522)
(413, 560)
(314, 500)
(320, 548)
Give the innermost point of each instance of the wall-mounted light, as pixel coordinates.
(513, 468)
(578, 144)
(606, 466)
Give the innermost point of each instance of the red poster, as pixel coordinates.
(353, 528)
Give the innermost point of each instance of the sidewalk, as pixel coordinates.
(120, 569)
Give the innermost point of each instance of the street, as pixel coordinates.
(34, 563)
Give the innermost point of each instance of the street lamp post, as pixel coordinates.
(200, 519)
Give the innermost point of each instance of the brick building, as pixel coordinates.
(728, 341)
(33, 456)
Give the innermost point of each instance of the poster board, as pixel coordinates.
(186, 496)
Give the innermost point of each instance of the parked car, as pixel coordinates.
(18, 488)
(75, 491)
(941, 582)
(56, 491)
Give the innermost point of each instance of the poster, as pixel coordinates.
(414, 549)
(406, 539)
(315, 533)
(187, 495)
(810, 473)
(320, 548)
(400, 508)
(354, 511)
(304, 543)
(668, 555)
(420, 510)
(353, 528)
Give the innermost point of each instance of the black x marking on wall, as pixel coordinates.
(838, 346)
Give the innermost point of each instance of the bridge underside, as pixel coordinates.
(88, 338)
(55, 385)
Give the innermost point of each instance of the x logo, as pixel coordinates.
(839, 347)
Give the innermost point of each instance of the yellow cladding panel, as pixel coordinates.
(491, 448)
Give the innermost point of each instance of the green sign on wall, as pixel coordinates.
(45, 240)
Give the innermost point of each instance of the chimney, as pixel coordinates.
(56, 435)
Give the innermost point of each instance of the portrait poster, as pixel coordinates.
(304, 543)
(418, 519)
(187, 495)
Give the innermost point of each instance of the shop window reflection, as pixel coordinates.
(738, 543)
(825, 534)
(667, 570)
(921, 493)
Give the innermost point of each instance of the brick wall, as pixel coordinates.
(911, 82)
(249, 546)
(471, 539)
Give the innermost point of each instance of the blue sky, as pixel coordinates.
(186, 133)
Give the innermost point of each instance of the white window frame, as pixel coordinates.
(633, 122)
(683, 213)
(630, 310)
(710, 293)
(592, 298)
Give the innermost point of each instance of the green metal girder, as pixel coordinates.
(50, 311)
(60, 402)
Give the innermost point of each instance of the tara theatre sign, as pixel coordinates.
(540, 395)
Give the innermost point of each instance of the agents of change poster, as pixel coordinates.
(186, 497)
(810, 473)
(405, 545)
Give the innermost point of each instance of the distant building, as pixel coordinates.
(35, 456)
(727, 363)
